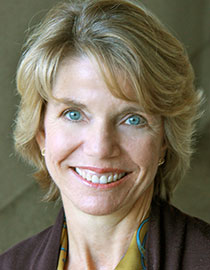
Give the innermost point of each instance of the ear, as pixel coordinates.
(40, 138)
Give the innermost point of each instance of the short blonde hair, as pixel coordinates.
(125, 37)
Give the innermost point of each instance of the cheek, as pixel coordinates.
(60, 143)
(144, 151)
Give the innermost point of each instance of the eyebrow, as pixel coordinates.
(70, 102)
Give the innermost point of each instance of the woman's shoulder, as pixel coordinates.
(34, 252)
(16, 255)
(177, 238)
(175, 219)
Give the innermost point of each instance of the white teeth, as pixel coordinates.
(89, 177)
(103, 179)
(78, 171)
(121, 175)
(110, 178)
(95, 179)
(84, 174)
(115, 177)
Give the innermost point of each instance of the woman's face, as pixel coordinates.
(101, 151)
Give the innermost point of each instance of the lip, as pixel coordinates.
(102, 170)
(97, 185)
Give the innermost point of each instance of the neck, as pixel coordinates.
(90, 236)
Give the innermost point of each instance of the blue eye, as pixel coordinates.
(135, 120)
(73, 115)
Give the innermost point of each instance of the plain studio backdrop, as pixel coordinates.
(22, 213)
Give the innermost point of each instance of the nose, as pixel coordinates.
(101, 142)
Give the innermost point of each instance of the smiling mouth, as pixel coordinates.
(106, 178)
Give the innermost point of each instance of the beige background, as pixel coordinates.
(21, 211)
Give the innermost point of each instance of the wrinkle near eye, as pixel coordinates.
(156, 126)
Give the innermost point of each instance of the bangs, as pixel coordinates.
(120, 78)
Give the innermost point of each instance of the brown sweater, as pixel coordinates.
(175, 242)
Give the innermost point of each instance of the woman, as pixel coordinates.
(107, 114)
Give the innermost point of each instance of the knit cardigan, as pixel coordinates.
(175, 241)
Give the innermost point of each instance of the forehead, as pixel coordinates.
(88, 69)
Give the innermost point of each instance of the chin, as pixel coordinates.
(98, 207)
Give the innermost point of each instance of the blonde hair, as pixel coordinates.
(122, 36)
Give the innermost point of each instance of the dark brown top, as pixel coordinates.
(175, 241)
